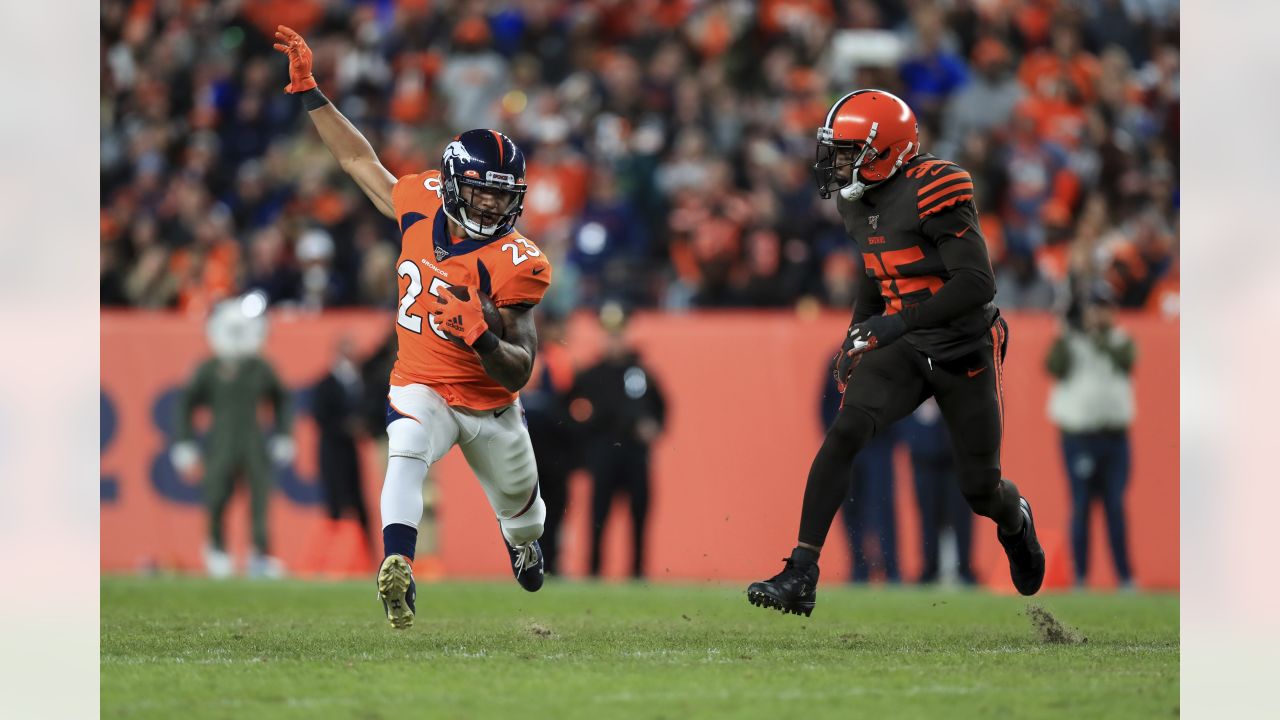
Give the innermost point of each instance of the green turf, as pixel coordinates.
(181, 648)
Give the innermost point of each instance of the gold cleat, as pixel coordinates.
(397, 591)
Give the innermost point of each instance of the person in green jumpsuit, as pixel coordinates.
(233, 384)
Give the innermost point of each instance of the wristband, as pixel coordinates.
(486, 343)
(313, 99)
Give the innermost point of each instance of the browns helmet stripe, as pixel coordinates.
(835, 109)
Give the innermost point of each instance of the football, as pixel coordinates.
(492, 317)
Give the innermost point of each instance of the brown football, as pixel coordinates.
(491, 316)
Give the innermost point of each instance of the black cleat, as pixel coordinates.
(527, 565)
(792, 591)
(1026, 557)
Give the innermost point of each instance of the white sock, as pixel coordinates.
(402, 491)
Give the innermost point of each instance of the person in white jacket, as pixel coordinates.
(1092, 404)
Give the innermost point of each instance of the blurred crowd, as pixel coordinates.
(669, 142)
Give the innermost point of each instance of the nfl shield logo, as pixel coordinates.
(874, 221)
(441, 254)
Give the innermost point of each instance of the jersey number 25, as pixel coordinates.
(406, 319)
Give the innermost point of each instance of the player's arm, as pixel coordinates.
(510, 360)
(972, 284)
(958, 236)
(869, 302)
(352, 151)
(355, 155)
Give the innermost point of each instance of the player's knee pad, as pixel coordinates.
(407, 438)
(527, 526)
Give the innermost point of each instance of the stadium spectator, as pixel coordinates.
(1021, 285)
(933, 72)
(985, 103)
(608, 242)
(702, 113)
(621, 410)
(1092, 404)
(552, 431)
(336, 403)
(938, 496)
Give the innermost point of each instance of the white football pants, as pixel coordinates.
(495, 443)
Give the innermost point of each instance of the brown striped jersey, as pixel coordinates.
(917, 231)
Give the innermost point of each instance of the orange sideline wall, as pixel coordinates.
(742, 389)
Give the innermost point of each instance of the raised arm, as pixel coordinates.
(349, 147)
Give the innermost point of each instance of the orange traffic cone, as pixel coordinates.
(428, 568)
(1057, 571)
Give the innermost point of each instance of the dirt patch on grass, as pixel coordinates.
(1051, 630)
(539, 630)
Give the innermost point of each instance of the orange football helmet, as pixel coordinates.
(873, 133)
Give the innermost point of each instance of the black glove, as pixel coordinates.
(842, 366)
(874, 332)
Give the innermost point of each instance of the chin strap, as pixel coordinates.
(853, 190)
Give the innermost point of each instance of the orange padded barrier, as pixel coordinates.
(728, 476)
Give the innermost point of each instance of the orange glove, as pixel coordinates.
(291, 43)
(462, 319)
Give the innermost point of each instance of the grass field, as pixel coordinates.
(199, 649)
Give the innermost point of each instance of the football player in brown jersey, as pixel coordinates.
(924, 324)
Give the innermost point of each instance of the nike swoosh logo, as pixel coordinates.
(964, 230)
(538, 271)
(499, 412)
(975, 373)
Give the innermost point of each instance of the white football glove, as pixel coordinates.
(281, 449)
(185, 456)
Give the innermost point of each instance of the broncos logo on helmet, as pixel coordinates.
(483, 173)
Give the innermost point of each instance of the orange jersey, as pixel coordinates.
(510, 269)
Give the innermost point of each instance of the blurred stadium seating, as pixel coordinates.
(669, 141)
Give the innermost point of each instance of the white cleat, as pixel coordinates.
(265, 567)
(218, 564)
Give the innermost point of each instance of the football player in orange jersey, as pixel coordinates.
(456, 377)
